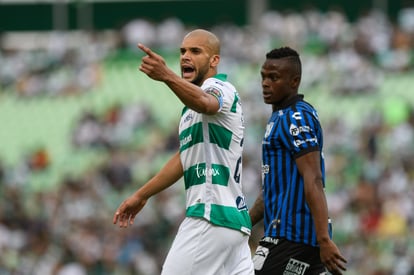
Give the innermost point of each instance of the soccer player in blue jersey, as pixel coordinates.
(297, 231)
(213, 238)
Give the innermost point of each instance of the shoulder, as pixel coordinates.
(303, 109)
(219, 81)
(221, 88)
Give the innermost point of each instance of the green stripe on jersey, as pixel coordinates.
(220, 215)
(230, 217)
(190, 136)
(195, 175)
(234, 105)
(219, 135)
(196, 210)
(185, 108)
(221, 174)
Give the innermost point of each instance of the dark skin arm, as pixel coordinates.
(130, 207)
(309, 168)
(256, 212)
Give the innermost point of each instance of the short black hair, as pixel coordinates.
(282, 52)
(286, 52)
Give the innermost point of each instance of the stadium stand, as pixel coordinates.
(67, 159)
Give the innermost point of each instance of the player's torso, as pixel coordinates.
(289, 132)
(211, 153)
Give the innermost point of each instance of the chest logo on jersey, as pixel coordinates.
(296, 130)
(203, 171)
(297, 116)
(269, 128)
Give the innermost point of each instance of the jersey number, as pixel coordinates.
(237, 171)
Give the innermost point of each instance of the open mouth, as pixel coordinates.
(187, 71)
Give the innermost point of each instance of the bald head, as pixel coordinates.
(210, 40)
(199, 56)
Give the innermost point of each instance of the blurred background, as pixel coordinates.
(82, 128)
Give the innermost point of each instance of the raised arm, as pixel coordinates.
(190, 94)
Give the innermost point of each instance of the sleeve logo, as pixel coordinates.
(296, 130)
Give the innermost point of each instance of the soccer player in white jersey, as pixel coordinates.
(213, 238)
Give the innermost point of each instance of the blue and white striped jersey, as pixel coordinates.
(291, 131)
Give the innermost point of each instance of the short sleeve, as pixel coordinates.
(300, 132)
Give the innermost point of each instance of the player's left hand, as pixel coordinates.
(332, 258)
(126, 212)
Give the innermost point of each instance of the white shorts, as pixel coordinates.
(201, 248)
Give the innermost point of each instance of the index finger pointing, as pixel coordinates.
(145, 49)
(115, 218)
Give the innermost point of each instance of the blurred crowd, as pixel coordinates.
(370, 164)
(52, 64)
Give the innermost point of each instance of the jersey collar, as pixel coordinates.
(222, 77)
(289, 102)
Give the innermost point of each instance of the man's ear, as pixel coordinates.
(214, 60)
(295, 81)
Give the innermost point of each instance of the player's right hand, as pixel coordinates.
(153, 64)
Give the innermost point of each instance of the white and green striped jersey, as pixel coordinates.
(211, 154)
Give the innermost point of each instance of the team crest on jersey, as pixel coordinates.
(269, 128)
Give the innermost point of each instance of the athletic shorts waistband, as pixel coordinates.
(271, 240)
